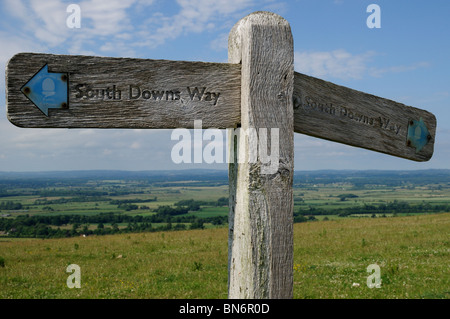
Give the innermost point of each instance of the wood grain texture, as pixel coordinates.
(261, 205)
(163, 109)
(321, 109)
(336, 113)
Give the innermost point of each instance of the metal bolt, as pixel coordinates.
(64, 78)
(408, 142)
(27, 90)
(411, 122)
(428, 137)
(64, 105)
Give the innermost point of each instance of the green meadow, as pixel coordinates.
(330, 261)
(161, 235)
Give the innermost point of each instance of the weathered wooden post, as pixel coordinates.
(260, 248)
(46, 90)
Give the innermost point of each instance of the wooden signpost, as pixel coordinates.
(257, 89)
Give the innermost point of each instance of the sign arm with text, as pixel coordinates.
(339, 114)
(141, 93)
(125, 93)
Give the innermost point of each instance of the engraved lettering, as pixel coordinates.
(86, 91)
(169, 95)
(134, 97)
(90, 93)
(146, 94)
(195, 92)
(310, 104)
(116, 94)
(384, 122)
(216, 97)
(79, 95)
(137, 92)
(158, 95)
(331, 110)
(350, 115)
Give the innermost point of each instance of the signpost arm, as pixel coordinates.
(340, 114)
(261, 201)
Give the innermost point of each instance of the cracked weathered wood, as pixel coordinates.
(128, 93)
(261, 205)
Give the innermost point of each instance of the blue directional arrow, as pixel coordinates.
(47, 90)
(418, 135)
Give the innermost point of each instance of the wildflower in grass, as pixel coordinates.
(299, 267)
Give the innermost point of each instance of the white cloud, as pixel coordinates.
(50, 23)
(344, 65)
(135, 145)
(45, 21)
(106, 17)
(13, 45)
(195, 16)
(53, 149)
(338, 64)
(220, 42)
(16, 8)
(113, 24)
(378, 72)
(39, 20)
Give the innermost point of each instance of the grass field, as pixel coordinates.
(330, 261)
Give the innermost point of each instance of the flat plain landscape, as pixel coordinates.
(164, 234)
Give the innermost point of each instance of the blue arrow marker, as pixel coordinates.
(418, 135)
(47, 90)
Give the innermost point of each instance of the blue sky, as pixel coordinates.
(406, 60)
